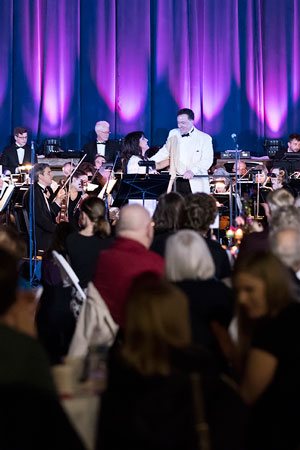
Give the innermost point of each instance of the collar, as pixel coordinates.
(42, 186)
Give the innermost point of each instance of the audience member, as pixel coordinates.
(149, 402)
(259, 240)
(83, 246)
(190, 264)
(285, 244)
(166, 219)
(268, 353)
(30, 413)
(54, 318)
(199, 213)
(127, 258)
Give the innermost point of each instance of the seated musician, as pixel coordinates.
(293, 146)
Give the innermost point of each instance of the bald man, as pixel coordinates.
(128, 258)
(102, 145)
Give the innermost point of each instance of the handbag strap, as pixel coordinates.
(201, 425)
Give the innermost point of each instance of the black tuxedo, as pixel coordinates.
(111, 150)
(9, 158)
(44, 218)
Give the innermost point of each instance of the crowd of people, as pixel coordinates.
(205, 346)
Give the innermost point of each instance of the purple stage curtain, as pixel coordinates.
(67, 63)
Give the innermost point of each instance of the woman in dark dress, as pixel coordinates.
(268, 352)
(83, 247)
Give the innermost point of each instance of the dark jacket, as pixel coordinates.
(9, 158)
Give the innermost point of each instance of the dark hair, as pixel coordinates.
(99, 156)
(19, 130)
(130, 147)
(188, 112)
(94, 208)
(199, 212)
(157, 319)
(8, 280)
(38, 169)
(168, 211)
(294, 136)
(79, 173)
(86, 167)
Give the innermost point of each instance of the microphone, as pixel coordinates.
(233, 136)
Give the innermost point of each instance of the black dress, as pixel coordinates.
(275, 415)
(156, 412)
(209, 300)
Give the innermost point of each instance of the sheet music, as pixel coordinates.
(5, 198)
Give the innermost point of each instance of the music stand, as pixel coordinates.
(143, 187)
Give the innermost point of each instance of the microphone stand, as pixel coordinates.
(32, 240)
(237, 181)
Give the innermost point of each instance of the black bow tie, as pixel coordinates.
(17, 147)
(45, 190)
(185, 135)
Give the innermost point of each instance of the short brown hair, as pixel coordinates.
(19, 130)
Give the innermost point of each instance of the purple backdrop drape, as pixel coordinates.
(67, 63)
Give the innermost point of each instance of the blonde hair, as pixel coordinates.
(188, 257)
(157, 319)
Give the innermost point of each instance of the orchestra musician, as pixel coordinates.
(45, 210)
(17, 154)
(76, 194)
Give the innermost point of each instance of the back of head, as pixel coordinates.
(8, 280)
(199, 212)
(168, 211)
(135, 223)
(94, 208)
(285, 217)
(188, 257)
(278, 198)
(285, 244)
(157, 318)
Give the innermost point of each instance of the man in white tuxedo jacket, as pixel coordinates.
(189, 151)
